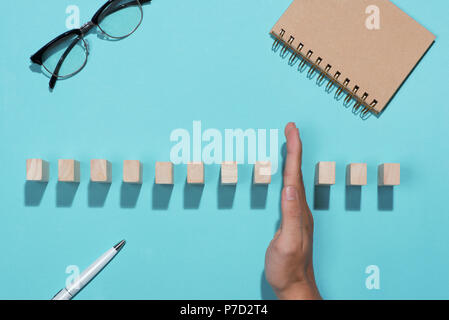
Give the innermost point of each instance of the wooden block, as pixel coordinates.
(262, 172)
(195, 172)
(68, 170)
(325, 173)
(164, 173)
(389, 174)
(132, 171)
(100, 171)
(229, 172)
(37, 170)
(356, 174)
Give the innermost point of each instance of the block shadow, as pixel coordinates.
(321, 197)
(258, 194)
(65, 193)
(192, 195)
(97, 194)
(161, 195)
(353, 198)
(129, 194)
(321, 194)
(34, 192)
(225, 194)
(385, 198)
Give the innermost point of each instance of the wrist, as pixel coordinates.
(304, 290)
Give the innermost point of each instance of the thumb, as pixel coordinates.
(292, 218)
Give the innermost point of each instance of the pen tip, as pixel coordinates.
(119, 245)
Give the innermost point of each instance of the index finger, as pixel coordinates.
(292, 168)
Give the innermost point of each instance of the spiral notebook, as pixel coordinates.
(365, 49)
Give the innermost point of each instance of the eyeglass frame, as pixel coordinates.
(80, 32)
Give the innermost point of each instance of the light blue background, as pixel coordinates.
(212, 61)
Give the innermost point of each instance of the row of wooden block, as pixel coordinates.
(101, 171)
(389, 174)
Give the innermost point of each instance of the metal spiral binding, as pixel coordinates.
(360, 106)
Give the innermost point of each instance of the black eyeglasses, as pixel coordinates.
(67, 54)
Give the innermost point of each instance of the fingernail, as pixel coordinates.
(291, 193)
(289, 129)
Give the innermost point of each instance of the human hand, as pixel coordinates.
(288, 260)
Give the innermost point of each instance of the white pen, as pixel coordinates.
(87, 275)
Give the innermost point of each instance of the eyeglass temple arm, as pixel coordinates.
(55, 73)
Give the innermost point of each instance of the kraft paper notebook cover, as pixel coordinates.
(369, 65)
